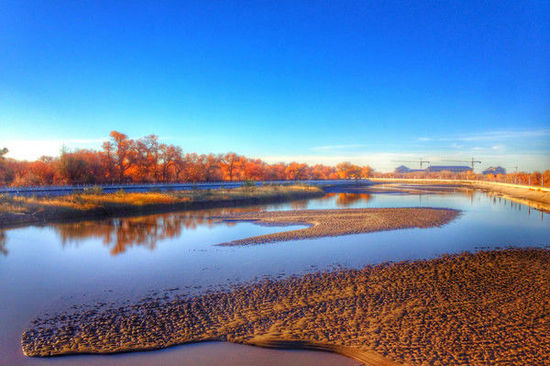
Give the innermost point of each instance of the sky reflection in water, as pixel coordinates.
(43, 269)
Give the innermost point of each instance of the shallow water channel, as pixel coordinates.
(116, 261)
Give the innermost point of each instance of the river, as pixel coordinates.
(56, 267)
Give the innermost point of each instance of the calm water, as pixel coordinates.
(44, 269)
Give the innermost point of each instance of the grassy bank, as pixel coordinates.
(18, 210)
(486, 308)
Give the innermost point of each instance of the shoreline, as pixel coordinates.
(533, 196)
(339, 222)
(42, 213)
(487, 307)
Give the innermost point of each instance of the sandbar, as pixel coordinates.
(323, 223)
(488, 308)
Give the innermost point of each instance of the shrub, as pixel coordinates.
(93, 190)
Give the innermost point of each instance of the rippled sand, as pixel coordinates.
(340, 222)
(486, 308)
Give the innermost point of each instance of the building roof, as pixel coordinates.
(494, 170)
(450, 168)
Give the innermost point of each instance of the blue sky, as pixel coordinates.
(315, 81)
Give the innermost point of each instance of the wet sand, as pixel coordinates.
(323, 223)
(486, 308)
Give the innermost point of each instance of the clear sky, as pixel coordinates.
(314, 81)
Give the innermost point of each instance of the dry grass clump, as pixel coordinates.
(485, 308)
(341, 221)
(82, 201)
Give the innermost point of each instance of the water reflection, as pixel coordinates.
(3, 240)
(348, 199)
(120, 234)
(37, 274)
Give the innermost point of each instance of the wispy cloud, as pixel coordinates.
(491, 136)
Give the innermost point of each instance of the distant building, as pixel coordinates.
(449, 168)
(494, 170)
(404, 169)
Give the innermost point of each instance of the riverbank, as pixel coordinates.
(20, 210)
(323, 223)
(533, 196)
(484, 308)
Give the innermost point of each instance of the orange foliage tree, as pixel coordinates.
(347, 170)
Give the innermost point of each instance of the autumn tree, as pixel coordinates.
(347, 170)
(71, 168)
(3, 173)
(34, 173)
(295, 171)
(320, 171)
(170, 162)
(211, 167)
(121, 151)
(276, 171)
(192, 168)
(254, 169)
(545, 178)
(228, 165)
(146, 158)
(366, 171)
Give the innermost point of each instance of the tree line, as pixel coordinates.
(146, 160)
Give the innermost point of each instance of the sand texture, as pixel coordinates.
(338, 222)
(486, 308)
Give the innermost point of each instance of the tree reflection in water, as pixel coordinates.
(120, 234)
(347, 199)
(3, 241)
